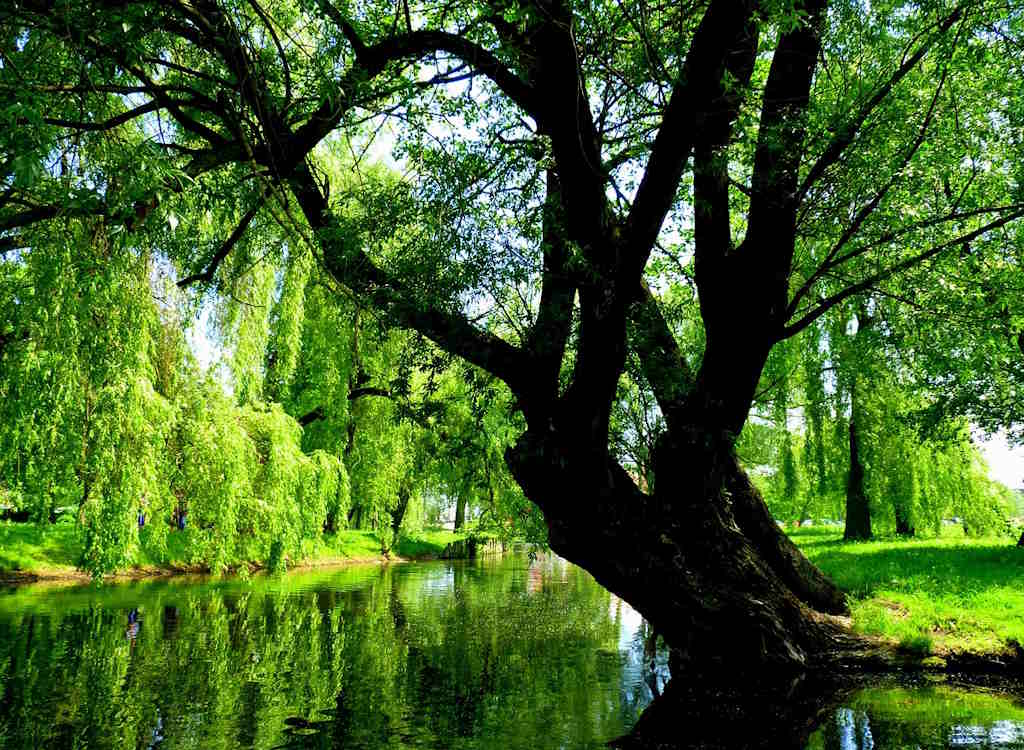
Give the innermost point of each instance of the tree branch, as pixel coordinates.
(664, 366)
(849, 130)
(721, 42)
(206, 276)
(110, 124)
(450, 330)
(829, 302)
(867, 209)
(371, 60)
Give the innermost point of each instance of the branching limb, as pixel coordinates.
(829, 302)
(869, 208)
(847, 133)
(723, 39)
(206, 275)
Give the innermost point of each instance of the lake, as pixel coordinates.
(502, 652)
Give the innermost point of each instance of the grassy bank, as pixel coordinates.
(950, 594)
(50, 551)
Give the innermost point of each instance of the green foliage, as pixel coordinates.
(85, 426)
(409, 663)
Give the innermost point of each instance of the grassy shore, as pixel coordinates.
(31, 551)
(939, 596)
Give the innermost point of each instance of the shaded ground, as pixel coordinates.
(949, 594)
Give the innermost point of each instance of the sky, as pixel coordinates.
(1005, 463)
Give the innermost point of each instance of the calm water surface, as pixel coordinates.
(498, 653)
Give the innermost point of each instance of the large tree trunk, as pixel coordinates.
(702, 560)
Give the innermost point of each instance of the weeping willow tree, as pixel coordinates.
(780, 159)
(856, 437)
(82, 425)
(106, 414)
(406, 420)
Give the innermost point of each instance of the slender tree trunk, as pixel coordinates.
(460, 512)
(903, 525)
(398, 514)
(858, 508)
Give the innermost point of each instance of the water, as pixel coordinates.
(499, 653)
(924, 716)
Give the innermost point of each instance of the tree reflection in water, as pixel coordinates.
(802, 713)
(494, 654)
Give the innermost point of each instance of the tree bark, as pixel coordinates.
(398, 514)
(903, 525)
(858, 508)
(702, 560)
(460, 512)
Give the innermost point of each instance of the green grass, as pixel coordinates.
(428, 542)
(39, 547)
(55, 548)
(952, 593)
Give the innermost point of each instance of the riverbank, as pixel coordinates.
(943, 597)
(31, 553)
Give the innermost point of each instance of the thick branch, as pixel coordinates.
(548, 336)
(450, 330)
(371, 60)
(664, 365)
(772, 213)
(721, 42)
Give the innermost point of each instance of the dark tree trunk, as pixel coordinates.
(903, 525)
(702, 560)
(398, 514)
(858, 508)
(460, 512)
(1020, 542)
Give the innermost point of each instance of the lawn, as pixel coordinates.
(951, 593)
(52, 550)
(39, 547)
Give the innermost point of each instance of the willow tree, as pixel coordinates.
(788, 155)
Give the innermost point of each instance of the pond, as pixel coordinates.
(496, 653)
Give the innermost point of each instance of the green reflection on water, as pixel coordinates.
(924, 717)
(466, 655)
(494, 654)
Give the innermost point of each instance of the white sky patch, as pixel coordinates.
(1005, 462)
(203, 346)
